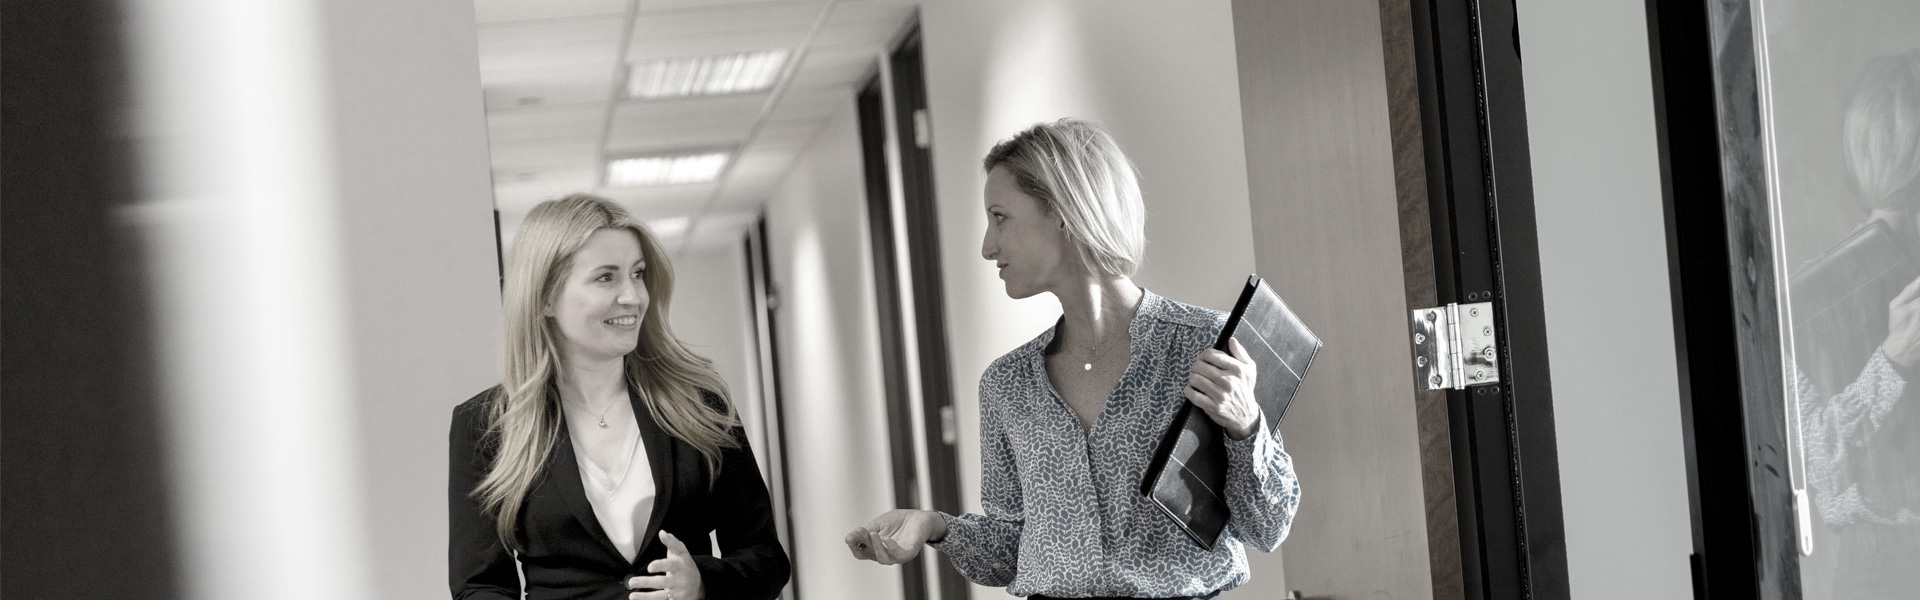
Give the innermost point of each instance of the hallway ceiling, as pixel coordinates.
(554, 75)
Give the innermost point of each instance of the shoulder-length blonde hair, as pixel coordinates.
(1076, 170)
(1882, 132)
(524, 412)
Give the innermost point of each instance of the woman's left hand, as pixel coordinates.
(678, 578)
(1222, 385)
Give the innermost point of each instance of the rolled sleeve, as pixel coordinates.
(1262, 491)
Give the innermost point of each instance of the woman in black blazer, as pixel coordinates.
(609, 453)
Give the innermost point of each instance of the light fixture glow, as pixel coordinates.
(705, 75)
(665, 170)
(669, 228)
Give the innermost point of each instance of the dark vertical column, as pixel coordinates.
(1706, 109)
(930, 318)
(765, 302)
(85, 506)
(893, 341)
(1480, 189)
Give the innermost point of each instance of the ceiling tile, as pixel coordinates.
(812, 102)
(725, 19)
(785, 136)
(537, 88)
(519, 34)
(546, 153)
(545, 123)
(494, 11)
(663, 5)
(518, 196)
(867, 11)
(543, 56)
(684, 124)
(657, 47)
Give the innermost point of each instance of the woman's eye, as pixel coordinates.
(604, 277)
(640, 273)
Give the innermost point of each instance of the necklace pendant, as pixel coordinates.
(1087, 367)
(603, 422)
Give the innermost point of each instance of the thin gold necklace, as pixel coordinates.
(1088, 364)
(602, 415)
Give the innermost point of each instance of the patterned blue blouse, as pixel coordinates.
(1064, 513)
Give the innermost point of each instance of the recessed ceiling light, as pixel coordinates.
(669, 228)
(705, 75)
(665, 170)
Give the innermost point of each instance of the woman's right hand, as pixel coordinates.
(896, 536)
(1902, 345)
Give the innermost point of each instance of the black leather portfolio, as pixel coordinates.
(1188, 474)
(1839, 302)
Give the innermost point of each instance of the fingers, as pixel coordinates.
(673, 544)
(1225, 363)
(1908, 293)
(654, 595)
(1215, 388)
(1247, 366)
(648, 582)
(894, 552)
(860, 542)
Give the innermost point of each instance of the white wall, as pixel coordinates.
(1604, 280)
(1162, 77)
(711, 316)
(1326, 225)
(417, 206)
(832, 395)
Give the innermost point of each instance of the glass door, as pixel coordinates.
(1839, 93)
(1790, 133)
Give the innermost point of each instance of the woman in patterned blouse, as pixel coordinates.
(1068, 422)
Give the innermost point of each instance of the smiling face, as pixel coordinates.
(600, 301)
(1024, 240)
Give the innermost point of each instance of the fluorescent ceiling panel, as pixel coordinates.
(670, 228)
(665, 170)
(705, 75)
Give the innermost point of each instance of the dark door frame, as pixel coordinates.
(1721, 263)
(869, 103)
(920, 247)
(764, 302)
(1479, 202)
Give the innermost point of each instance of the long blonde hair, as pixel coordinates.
(523, 421)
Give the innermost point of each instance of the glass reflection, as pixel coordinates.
(1845, 92)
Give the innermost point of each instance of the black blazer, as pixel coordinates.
(566, 553)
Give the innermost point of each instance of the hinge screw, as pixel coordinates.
(1473, 312)
(1419, 338)
(1479, 375)
(1420, 361)
(1435, 380)
(1488, 330)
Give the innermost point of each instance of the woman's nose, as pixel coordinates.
(987, 246)
(630, 293)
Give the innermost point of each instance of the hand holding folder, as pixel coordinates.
(1188, 474)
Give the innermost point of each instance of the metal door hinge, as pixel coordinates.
(922, 129)
(1453, 346)
(949, 429)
